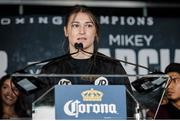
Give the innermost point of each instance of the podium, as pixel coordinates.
(93, 97)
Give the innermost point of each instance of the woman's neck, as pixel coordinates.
(9, 112)
(81, 55)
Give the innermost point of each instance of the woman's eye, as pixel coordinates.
(4, 87)
(89, 25)
(75, 25)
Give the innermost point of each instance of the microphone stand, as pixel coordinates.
(119, 60)
(45, 61)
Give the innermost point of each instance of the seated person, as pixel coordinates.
(12, 105)
(171, 109)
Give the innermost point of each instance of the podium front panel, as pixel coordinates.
(90, 102)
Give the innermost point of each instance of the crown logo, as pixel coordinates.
(92, 95)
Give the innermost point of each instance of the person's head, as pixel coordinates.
(81, 26)
(173, 89)
(8, 92)
(10, 96)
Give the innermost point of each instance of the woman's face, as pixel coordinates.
(81, 29)
(173, 90)
(7, 95)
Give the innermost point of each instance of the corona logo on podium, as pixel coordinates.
(92, 95)
(90, 102)
(76, 107)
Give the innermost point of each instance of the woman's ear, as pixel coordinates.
(65, 32)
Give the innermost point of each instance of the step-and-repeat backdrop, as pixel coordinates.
(148, 41)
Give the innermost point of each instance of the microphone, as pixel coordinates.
(78, 46)
(64, 82)
(101, 81)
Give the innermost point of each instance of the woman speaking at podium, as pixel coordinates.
(82, 33)
(82, 37)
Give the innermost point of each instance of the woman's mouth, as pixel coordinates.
(9, 98)
(170, 93)
(81, 39)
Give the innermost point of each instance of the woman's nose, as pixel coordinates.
(10, 92)
(82, 30)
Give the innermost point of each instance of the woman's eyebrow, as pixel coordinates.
(74, 22)
(89, 22)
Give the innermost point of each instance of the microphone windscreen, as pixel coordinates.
(78, 46)
(101, 81)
